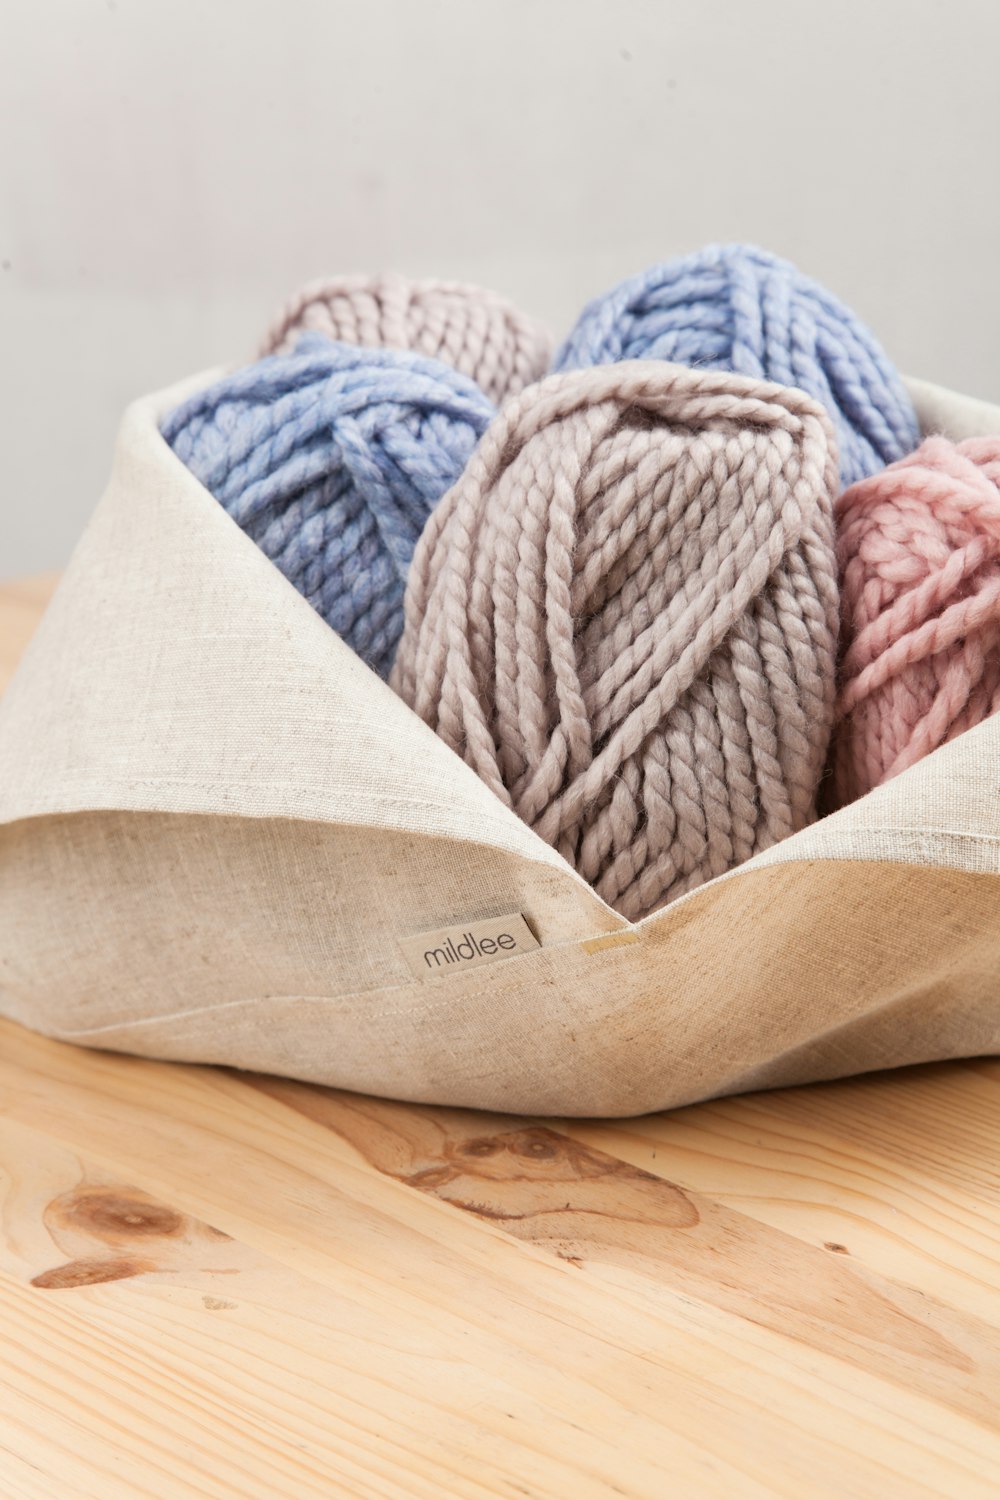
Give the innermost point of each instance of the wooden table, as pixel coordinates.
(216, 1284)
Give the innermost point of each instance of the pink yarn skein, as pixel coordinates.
(919, 554)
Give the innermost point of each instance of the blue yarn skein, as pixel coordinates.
(737, 308)
(331, 459)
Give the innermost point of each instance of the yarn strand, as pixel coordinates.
(919, 552)
(331, 459)
(738, 308)
(475, 331)
(624, 617)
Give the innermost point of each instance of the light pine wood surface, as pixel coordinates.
(218, 1284)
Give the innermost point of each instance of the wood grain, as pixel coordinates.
(227, 1285)
(21, 604)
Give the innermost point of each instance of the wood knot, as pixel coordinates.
(538, 1145)
(88, 1271)
(484, 1146)
(533, 1144)
(112, 1215)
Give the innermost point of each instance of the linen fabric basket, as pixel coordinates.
(219, 833)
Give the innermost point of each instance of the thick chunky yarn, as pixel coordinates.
(919, 551)
(473, 330)
(624, 617)
(733, 307)
(331, 459)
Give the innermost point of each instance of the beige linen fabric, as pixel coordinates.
(216, 824)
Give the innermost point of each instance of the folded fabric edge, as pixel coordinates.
(716, 1002)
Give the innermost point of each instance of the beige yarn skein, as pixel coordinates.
(624, 616)
(474, 330)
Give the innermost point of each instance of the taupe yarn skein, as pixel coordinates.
(475, 331)
(624, 616)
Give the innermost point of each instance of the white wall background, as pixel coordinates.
(171, 169)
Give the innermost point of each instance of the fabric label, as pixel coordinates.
(467, 945)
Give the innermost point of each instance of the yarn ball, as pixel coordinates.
(331, 459)
(734, 307)
(624, 617)
(475, 331)
(919, 553)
